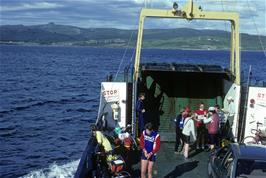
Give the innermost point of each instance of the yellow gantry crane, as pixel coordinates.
(190, 12)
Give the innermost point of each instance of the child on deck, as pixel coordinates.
(150, 145)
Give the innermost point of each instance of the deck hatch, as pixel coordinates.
(183, 67)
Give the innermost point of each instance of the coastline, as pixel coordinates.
(120, 47)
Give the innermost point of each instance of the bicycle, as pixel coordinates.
(109, 169)
(116, 163)
(111, 164)
(259, 138)
(127, 132)
(101, 170)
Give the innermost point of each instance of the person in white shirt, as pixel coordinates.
(189, 133)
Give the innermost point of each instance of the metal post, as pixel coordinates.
(232, 57)
(136, 72)
(237, 51)
(245, 106)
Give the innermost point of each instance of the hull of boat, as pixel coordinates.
(85, 167)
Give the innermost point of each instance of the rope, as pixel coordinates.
(225, 25)
(125, 52)
(130, 62)
(132, 56)
(257, 31)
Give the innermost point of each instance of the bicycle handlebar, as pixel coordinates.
(258, 123)
(99, 153)
(254, 131)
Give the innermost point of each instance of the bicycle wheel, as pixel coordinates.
(122, 174)
(249, 140)
(101, 172)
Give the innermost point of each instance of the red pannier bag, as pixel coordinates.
(117, 165)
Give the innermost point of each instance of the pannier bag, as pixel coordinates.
(117, 165)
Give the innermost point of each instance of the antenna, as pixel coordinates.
(148, 3)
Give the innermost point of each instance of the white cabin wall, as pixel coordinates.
(112, 92)
(256, 110)
(231, 108)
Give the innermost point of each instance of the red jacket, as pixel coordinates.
(201, 113)
(213, 126)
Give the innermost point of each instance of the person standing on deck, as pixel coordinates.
(189, 133)
(221, 116)
(103, 142)
(201, 114)
(213, 127)
(140, 112)
(179, 123)
(221, 122)
(150, 145)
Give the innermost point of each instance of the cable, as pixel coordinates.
(125, 52)
(225, 25)
(130, 39)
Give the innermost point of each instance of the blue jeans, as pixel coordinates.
(141, 123)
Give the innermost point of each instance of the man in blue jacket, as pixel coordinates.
(179, 123)
(140, 112)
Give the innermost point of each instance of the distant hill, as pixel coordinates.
(181, 38)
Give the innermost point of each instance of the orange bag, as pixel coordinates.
(117, 165)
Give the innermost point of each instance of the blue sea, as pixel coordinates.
(50, 95)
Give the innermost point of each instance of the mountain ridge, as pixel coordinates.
(179, 38)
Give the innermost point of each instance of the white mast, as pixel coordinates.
(147, 3)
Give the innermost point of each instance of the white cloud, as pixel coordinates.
(252, 15)
(124, 13)
(31, 6)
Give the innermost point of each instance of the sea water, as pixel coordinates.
(50, 95)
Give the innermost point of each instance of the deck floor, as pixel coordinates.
(171, 165)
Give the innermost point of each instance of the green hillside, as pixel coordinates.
(181, 38)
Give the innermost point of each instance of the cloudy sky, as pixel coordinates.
(124, 13)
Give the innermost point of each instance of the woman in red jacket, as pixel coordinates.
(213, 127)
(150, 145)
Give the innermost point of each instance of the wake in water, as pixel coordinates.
(55, 171)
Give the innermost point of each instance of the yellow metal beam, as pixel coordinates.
(232, 61)
(197, 14)
(237, 52)
(138, 49)
(190, 12)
